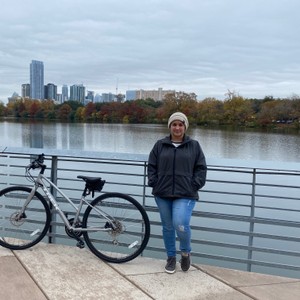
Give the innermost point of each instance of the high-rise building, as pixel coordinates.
(37, 79)
(77, 93)
(59, 98)
(65, 93)
(90, 96)
(50, 91)
(108, 97)
(25, 90)
(97, 98)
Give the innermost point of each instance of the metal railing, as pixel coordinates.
(247, 218)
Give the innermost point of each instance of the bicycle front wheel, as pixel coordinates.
(117, 227)
(20, 231)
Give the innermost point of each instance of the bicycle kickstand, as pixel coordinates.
(80, 244)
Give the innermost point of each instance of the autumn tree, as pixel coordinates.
(2, 109)
(90, 111)
(237, 110)
(267, 113)
(64, 112)
(183, 102)
(295, 113)
(79, 114)
(210, 111)
(34, 109)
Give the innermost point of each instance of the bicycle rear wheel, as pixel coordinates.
(22, 231)
(123, 235)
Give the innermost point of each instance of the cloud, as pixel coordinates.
(205, 46)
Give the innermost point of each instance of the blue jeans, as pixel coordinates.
(175, 218)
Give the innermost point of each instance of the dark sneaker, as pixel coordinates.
(185, 262)
(171, 265)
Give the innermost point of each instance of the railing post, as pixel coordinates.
(252, 222)
(144, 184)
(53, 176)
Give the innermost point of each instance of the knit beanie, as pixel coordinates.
(178, 116)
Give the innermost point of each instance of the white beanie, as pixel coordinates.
(178, 116)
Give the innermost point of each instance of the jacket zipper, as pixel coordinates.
(173, 184)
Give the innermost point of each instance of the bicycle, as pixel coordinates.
(114, 226)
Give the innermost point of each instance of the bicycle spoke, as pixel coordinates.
(122, 238)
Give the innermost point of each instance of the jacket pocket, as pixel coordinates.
(163, 186)
(184, 186)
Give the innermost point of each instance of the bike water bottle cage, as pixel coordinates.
(92, 184)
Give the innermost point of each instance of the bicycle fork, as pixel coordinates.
(22, 213)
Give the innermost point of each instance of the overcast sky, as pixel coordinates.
(208, 47)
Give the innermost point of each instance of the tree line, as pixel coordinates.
(234, 110)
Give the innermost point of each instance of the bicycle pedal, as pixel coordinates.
(80, 244)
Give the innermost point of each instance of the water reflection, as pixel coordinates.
(128, 138)
(32, 136)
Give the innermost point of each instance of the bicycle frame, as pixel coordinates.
(41, 181)
(114, 226)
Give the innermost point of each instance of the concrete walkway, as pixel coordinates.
(62, 272)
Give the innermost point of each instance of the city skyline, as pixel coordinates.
(207, 47)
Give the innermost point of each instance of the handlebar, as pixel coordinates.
(37, 163)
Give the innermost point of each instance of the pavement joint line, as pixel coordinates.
(129, 280)
(28, 272)
(225, 282)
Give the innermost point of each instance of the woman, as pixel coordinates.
(176, 171)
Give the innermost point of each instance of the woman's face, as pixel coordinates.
(177, 130)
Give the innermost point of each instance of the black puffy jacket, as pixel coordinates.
(176, 172)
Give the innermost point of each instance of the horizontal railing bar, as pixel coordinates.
(248, 219)
(278, 185)
(206, 191)
(101, 172)
(245, 247)
(247, 261)
(278, 208)
(276, 197)
(247, 233)
(224, 203)
(231, 182)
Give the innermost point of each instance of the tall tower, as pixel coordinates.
(77, 93)
(37, 80)
(65, 93)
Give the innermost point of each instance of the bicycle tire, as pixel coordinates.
(132, 232)
(29, 229)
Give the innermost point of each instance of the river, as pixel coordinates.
(243, 144)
